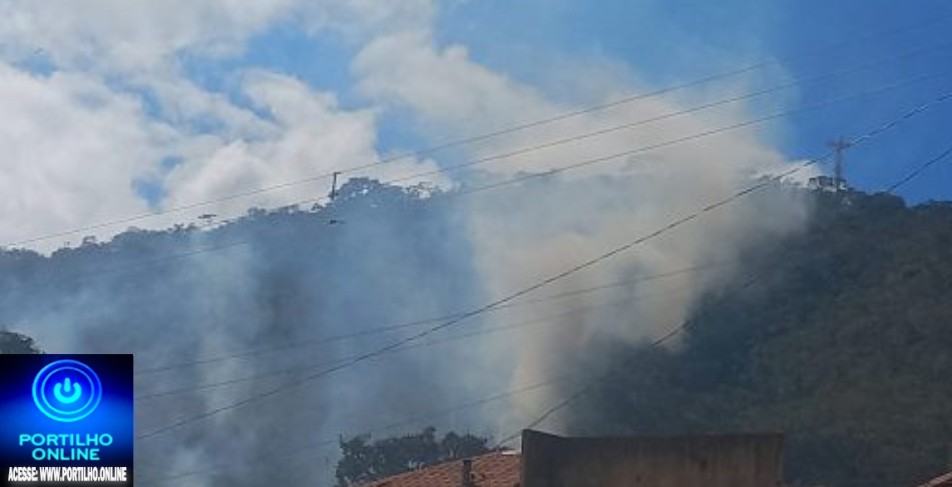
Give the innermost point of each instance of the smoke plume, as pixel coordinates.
(240, 325)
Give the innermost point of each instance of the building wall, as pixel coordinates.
(698, 461)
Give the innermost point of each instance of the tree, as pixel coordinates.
(843, 344)
(365, 461)
(15, 343)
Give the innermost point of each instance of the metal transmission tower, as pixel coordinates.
(839, 145)
(837, 183)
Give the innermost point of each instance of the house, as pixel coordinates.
(496, 469)
(748, 460)
(552, 461)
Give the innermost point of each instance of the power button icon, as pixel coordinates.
(67, 390)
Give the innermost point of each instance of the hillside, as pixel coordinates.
(840, 336)
(275, 293)
(844, 341)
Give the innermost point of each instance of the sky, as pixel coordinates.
(122, 114)
(117, 110)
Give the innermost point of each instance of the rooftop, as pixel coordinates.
(497, 469)
(942, 481)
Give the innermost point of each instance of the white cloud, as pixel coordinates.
(75, 143)
(113, 34)
(126, 36)
(119, 52)
(72, 150)
(444, 88)
(452, 95)
(307, 135)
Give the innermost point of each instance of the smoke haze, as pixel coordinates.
(288, 283)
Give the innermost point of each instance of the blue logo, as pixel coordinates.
(67, 390)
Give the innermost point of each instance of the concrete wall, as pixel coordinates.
(696, 461)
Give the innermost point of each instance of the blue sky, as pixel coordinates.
(116, 109)
(670, 42)
(357, 81)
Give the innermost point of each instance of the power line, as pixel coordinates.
(674, 331)
(554, 278)
(428, 415)
(656, 146)
(694, 137)
(544, 320)
(310, 342)
(477, 138)
(587, 387)
(583, 163)
(305, 343)
(704, 106)
(919, 170)
(404, 422)
(556, 142)
(567, 167)
(644, 149)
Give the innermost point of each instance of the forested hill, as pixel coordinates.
(224, 311)
(841, 337)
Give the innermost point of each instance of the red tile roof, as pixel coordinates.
(498, 469)
(943, 481)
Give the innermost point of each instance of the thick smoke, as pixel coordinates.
(524, 233)
(559, 224)
(288, 285)
(291, 285)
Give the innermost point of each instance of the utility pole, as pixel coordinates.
(333, 195)
(840, 145)
(334, 185)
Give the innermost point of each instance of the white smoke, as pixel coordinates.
(108, 136)
(530, 231)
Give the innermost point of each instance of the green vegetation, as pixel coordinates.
(16, 343)
(844, 342)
